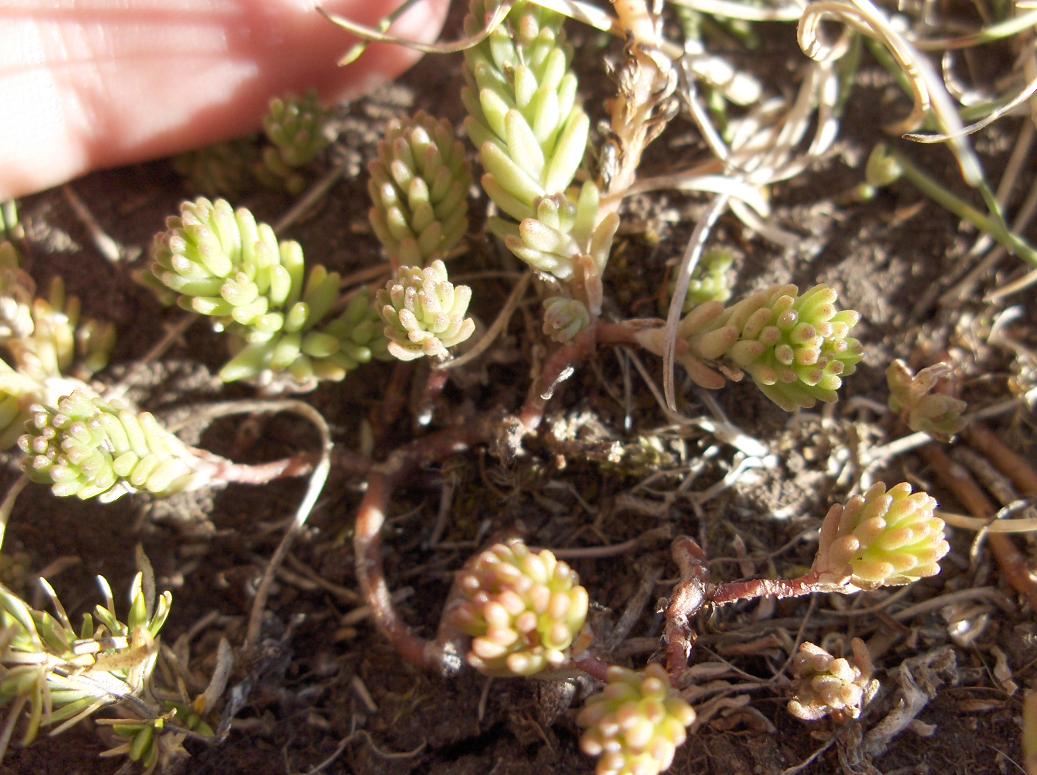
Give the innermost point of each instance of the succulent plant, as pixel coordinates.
(419, 188)
(223, 264)
(564, 238)
(636, 723)
(51, 346)
(88, 448)
(564, 318)
(531, 132)
(295, 125)
(63, 674)
(423, 312)
(16, 293)
(222, 169)
(523, 610)
(880, 538)
(296, 129)
(795, 347)
(62, 342)
(523, 112)
(711, 280)
(912, 397)
(824, 685)
(308, 353)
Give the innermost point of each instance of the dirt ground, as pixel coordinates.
(329, 690)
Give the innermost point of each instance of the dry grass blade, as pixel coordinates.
(930, 94)
(377, 36)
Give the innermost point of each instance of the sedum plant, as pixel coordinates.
(51, 347)
(824, 685)
(295, 130)
(881, 538)
(795, 347)
(223, 264)
(58, 675)
(711, 280)
(523, 114)
(564, 318)
(423, 312)
(88, 448)
(522, 609)
(636, 724)
(222, 169)
(911, 396)
(419, 188)
(295, 134)
(525, 119)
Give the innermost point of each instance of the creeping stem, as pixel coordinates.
(429, 655)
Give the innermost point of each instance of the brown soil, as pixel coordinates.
(890, 259)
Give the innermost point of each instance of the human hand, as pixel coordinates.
(88, 84)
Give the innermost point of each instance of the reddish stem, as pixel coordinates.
(1011, 561)
(219, 469)
(435, 382)
(617, 333)
(592, 666)
(557, 369)
(429, 655)
(561, 363)
(1012, 465)
(734, 591)
(393, 401)
(688, 597)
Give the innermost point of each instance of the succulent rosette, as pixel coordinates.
(419, 189)
(636, 723)
(87, 448)
(423, 312)
(523, 610)
(824, 685)
(796, 347)
(564, 318)
(295, 127)
(883, 537)
(222, 263)
(914, 398)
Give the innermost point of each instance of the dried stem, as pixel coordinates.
(302, 513)
(1009, 558)
(635, 19)
(688, 597)
(1012, 465)
(434, 656)
(645, 84)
